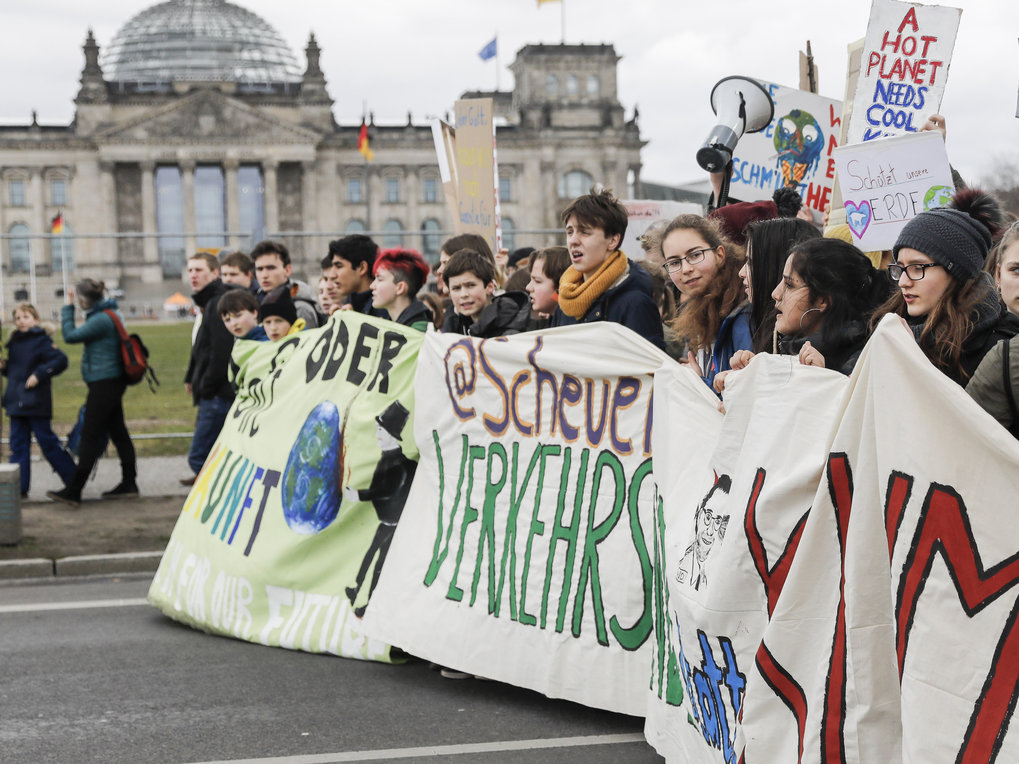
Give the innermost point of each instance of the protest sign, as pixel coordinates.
(476, 171)
(528, 558)
(885, 184)
(286, 528)
(444, 138)
(857, 596)
(794, 149)
(641, 214)
(906, 56)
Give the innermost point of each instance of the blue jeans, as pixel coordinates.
(211, 416)
(22, 429)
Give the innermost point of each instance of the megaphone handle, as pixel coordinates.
(743, 109)
(723, 191)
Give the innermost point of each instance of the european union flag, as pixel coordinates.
(488, 51)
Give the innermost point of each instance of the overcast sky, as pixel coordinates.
(400, 55)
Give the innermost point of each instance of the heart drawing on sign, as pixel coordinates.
(858, 216)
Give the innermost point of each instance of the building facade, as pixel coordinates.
(196, 128)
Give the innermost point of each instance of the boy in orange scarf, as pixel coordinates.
(601, 284)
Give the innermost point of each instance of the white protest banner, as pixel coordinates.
(528, 558)
(794, 149)
(861, 604)
(735, 495)
(642, 213)
(286, 528)
(904, 70)
(476, 171)
(885, 184)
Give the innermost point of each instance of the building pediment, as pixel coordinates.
(207, 116)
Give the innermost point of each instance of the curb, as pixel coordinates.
(84, 565)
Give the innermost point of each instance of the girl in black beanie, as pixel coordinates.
(950, 304)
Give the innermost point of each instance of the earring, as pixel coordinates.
(808, 310)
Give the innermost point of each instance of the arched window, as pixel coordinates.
(574, 184)
(430, 239)
(509, 235)
(62, 249)
(356, 226)
(572, 85)
(551, 85)
(20, 249)
(593, 85)
(391, 234)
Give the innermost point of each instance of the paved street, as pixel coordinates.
(89, 672)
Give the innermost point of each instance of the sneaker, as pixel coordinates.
(65, 496)
(448, 673)
(188, 480)
(122, 491)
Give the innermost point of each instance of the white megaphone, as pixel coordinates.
(742, 106)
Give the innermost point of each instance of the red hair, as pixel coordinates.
(406, 265)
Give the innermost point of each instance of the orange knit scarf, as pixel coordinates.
(576, 296)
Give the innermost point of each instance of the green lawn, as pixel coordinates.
(168, 410)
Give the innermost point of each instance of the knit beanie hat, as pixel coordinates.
(950, 238)
(734, 218)
(278, 303)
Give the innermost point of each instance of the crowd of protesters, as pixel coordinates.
(712, 291)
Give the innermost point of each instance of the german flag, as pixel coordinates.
(57, 224)
(362, 143)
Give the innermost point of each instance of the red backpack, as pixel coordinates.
(133, 354)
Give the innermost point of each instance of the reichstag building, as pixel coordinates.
(196, 127)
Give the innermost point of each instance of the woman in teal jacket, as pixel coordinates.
(103, 372)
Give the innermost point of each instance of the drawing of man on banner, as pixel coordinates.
(708, 525)
(388, 492)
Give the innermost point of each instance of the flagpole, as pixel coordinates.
(562, 20)
(31, 275)
(497, 67)
(63, 264)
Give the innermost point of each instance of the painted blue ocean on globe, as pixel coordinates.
(311, 483)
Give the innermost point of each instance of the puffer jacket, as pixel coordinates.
(100, 358)
(995, 388)
(507, 313)
(28, 353)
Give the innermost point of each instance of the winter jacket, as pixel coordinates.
(362, 303)
(507, 313)
(734, 334)
(416, 315)
(210, 353)
(100, 358)
(28, 353)
(840, 355)
(992, 324)
(257, 334)
(996, 390)
(629, 301)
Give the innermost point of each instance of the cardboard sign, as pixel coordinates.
(904, 69)
(794, 149)
(885, 184)
(641, 214)
(476, 171)
(444, 137)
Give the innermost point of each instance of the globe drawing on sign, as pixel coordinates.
(937, 196)
(311, 482)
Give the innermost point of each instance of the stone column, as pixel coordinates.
(187, 186)
(270, 200)
(108, 193)
(38, 249)
(309, 210)
(412, 223)
(233, 209)
(150, 244)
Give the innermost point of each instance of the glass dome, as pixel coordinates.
(198, 40)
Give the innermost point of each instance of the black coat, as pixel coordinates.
(507, 313)
(631, 303)
(210, 355)
(840, 353)
(390, 485)
(28, 353)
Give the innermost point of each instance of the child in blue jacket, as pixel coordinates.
(32, 360)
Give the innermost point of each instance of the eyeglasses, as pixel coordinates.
(915, 271)
(676, 263)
